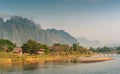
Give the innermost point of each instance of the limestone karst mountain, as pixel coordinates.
(19, 30)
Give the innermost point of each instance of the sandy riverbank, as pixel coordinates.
(43, 59)
(90, 59)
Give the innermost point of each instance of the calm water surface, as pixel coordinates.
(64, 67)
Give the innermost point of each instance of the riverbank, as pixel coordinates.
(92, 60)
(10, 58)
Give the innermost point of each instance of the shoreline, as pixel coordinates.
(24, 59)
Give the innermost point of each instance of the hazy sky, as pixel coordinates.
(93, 19)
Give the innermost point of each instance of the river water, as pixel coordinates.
(64, 67)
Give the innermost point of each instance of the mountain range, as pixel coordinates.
(87, 43)
(19, 30)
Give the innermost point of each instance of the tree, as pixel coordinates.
(118, 49)
(82, 50)
(75, 46)
(6, 45)
(30, 46)
(92, 49)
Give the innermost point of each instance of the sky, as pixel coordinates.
(93, 19)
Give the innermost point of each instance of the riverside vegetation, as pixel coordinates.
(31, 48)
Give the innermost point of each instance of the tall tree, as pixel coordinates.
(75, 46)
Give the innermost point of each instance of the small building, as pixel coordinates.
(18, 50)
(41, 51)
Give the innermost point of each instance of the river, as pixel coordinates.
(64, 67)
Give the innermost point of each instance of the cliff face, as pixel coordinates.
(19, 30)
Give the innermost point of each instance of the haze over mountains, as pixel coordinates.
(19, 30)
(87, 43)
(117, 44)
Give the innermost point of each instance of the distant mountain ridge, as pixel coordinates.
(87, 43)
(114, 44)
(19, 30)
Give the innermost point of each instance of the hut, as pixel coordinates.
(18, 50)
(41, 51)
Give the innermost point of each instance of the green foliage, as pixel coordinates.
(104, 49)
(6, 45)
(47, 51)
(75, 46)
(118, 49)
(44, 46)
(82, 49)
(30, 47)
(92, 49)
(67, 49)
(33, 47)
(60, 48)
(57, 44)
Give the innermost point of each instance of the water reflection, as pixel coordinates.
(67, 66)
(26, 67)
(18, 67)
